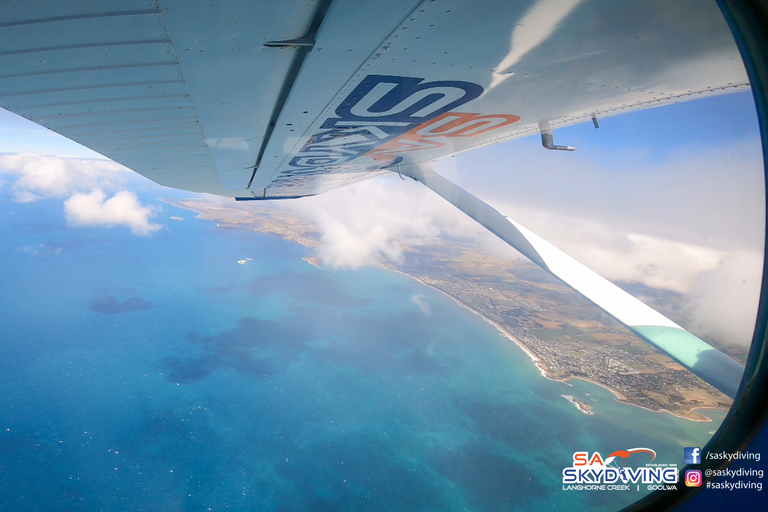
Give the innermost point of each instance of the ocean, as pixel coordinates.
(158, 373)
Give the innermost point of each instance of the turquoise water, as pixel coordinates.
(158, 374)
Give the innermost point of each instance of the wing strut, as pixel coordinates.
(695, 354)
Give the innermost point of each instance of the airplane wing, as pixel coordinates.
(269, 100)
(258, 99)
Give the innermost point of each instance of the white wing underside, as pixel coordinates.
(185, 92)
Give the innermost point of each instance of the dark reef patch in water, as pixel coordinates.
(255, 347)
(109, 305)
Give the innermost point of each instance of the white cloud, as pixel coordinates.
(724, 299)
(83, 184)
(423, 305)
(364, 223)
(124, 208)
(39, 176)
(25, 196)
(709, 195)
(627, 256)
(41, 249)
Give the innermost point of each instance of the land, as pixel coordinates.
(580, 404)
(564, 334)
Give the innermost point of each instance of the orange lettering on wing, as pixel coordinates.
(450, 124)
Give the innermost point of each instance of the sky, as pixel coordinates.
(672, 198)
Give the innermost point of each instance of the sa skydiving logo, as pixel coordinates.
(615, 472)
(386, 116)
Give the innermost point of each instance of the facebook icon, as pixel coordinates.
(692, 455)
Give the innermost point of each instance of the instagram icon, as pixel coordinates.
(693, 478)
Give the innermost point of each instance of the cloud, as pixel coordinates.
(83, 184)
(423, 305)
(37, 176)
(711, 196)
(124, 208)
(372, 220)
(41, 249)
(628, 256)
(724, 299)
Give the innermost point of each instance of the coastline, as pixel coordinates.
(708, 420)
(710, 408)
(580, 405)
(618, 396)
(312, 261)
(183, 207)
(689, 415)
(622, 399)
(536, 359)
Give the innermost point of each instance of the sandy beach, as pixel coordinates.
(619, 397)
(536, 360)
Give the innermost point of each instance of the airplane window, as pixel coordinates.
(169, 341)
(372, 347)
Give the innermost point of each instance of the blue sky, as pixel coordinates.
(644, 167)
(18, 135)
(715, 120)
